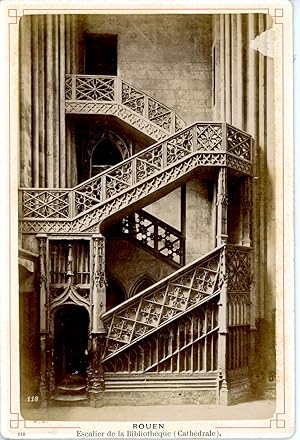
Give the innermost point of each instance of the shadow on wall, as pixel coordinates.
(115, 293)
(263, 374)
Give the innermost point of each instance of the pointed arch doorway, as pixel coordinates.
(71, 331)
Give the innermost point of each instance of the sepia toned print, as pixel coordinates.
(149, 251)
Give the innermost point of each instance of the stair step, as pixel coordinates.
(71, 387)
(73, 378)
(69, 397)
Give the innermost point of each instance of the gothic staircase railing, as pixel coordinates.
(187, 332)
(165, 302)
(153, 234)
(136, 181)
(111, 95)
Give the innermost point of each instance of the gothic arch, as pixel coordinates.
(141, 284)
(115, 293)
(105, 136)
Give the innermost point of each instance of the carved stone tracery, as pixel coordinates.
(239, 272)
(130, 181)
(183, 306)
(180, 293)
(96, 94)
(155, 234)
(179, 347)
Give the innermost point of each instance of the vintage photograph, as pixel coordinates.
(150, 195)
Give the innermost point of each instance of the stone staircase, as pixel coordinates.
(166, 301)
(154, 235)
(111, 95)
(135, 182)
(174, 325)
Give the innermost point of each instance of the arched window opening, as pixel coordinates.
(105, 155)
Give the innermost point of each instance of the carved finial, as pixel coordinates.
(70, 262)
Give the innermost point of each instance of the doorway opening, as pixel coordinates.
(71, 327)
(101, 54)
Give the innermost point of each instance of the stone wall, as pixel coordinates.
(167, 56)
(200, 219)
(168, 208)
(128, 262)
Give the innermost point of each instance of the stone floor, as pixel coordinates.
(257, 409)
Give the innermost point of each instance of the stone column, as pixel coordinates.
(49, 104)
(70, 66)
(259, 186)
(44, 379)
(239, 73)
(216, 68)
(254, 126)
(235, 106)
(98, 294)
(62, 116)
(228, 78)
(25, 102)
(35, 101)
(48, 49)
(222, 112)
(56, 103)
(41, 100)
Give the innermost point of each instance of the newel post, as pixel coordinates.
(98, 306)
(44, 379)
(222, 205)
(223, 398)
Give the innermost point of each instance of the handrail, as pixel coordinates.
(200, 137)
(102, 88)
(166, 300)
(155, 234)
